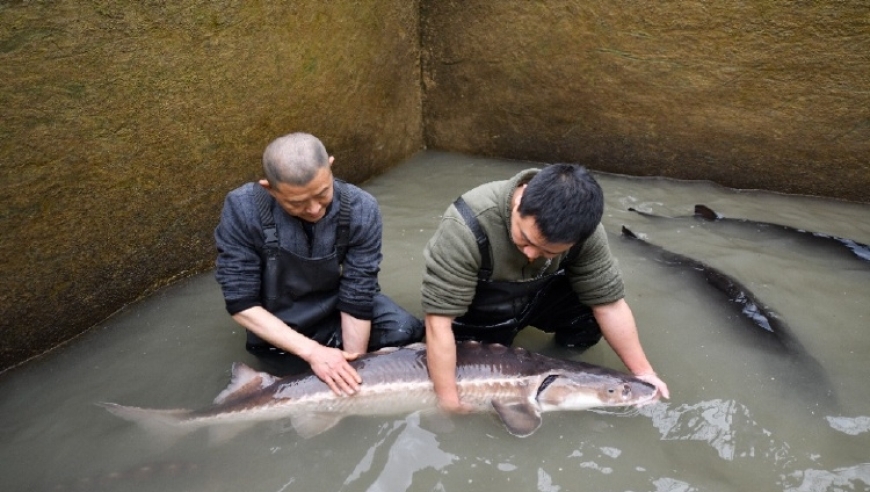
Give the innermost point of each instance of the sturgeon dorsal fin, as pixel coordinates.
(245, 381)
(520, 417)
(706, 213)
(311, 424)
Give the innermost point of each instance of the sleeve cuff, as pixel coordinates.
(357, 311)
(238, 305)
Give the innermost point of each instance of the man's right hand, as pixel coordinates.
(454, 405)
(331, 366)
(441, 362)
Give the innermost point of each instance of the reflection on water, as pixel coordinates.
(741, 417)
(412, 450)
(849, 478)
(851, 426)
(712, 422)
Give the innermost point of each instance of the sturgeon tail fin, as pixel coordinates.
(162, 422)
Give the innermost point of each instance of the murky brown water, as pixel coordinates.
(743, 415)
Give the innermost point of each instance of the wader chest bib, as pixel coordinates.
(302, 292)
(500, 305)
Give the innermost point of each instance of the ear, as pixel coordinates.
(265, 184)
(518, 196)
(331, 160)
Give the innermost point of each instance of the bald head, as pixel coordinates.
(294, 159)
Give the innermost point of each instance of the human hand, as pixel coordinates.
(653, 379)
(331, 366)
(454, 405)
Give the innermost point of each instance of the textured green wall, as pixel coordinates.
(124, 124)
(750, 94)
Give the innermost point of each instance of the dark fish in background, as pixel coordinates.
(750, 306)
(860, 250)
(774, 332)
(703, 212)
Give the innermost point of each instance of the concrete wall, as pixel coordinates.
(124, 124)
(750, 94)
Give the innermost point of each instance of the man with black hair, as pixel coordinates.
(298, 260)
(528, 251)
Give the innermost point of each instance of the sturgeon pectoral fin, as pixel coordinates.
(520, 417)
(311, 424)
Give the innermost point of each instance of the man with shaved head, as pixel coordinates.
(298, 258)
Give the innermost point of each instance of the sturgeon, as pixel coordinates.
(810, 238)
(860, 250)
(775, 334)
(751, 307)
(514, 383)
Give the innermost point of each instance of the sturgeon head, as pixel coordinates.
(545, 384)
(581, 391)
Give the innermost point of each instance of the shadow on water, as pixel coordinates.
(745, 414)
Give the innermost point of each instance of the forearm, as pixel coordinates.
(328, 364)
(441, 358)
(271, 329)
(355, 334)
(619, 329)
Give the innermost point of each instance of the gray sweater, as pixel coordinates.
(452, 257)
(239, 240)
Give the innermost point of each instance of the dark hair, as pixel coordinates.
(566, 202)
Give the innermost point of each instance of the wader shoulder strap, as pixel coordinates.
(267, 221)
(471, 221)
(342, 234)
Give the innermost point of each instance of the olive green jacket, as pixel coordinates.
(453, 259)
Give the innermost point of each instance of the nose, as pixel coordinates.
(313, 208)
(531, 253)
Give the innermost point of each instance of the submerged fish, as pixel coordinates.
(160, 475)
(860, 250)
(516, 384)
(775, 333)
(750, 306)
(818, 239)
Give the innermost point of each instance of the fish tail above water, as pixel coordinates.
(157, 421)
(245, 383)
(706, 213)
